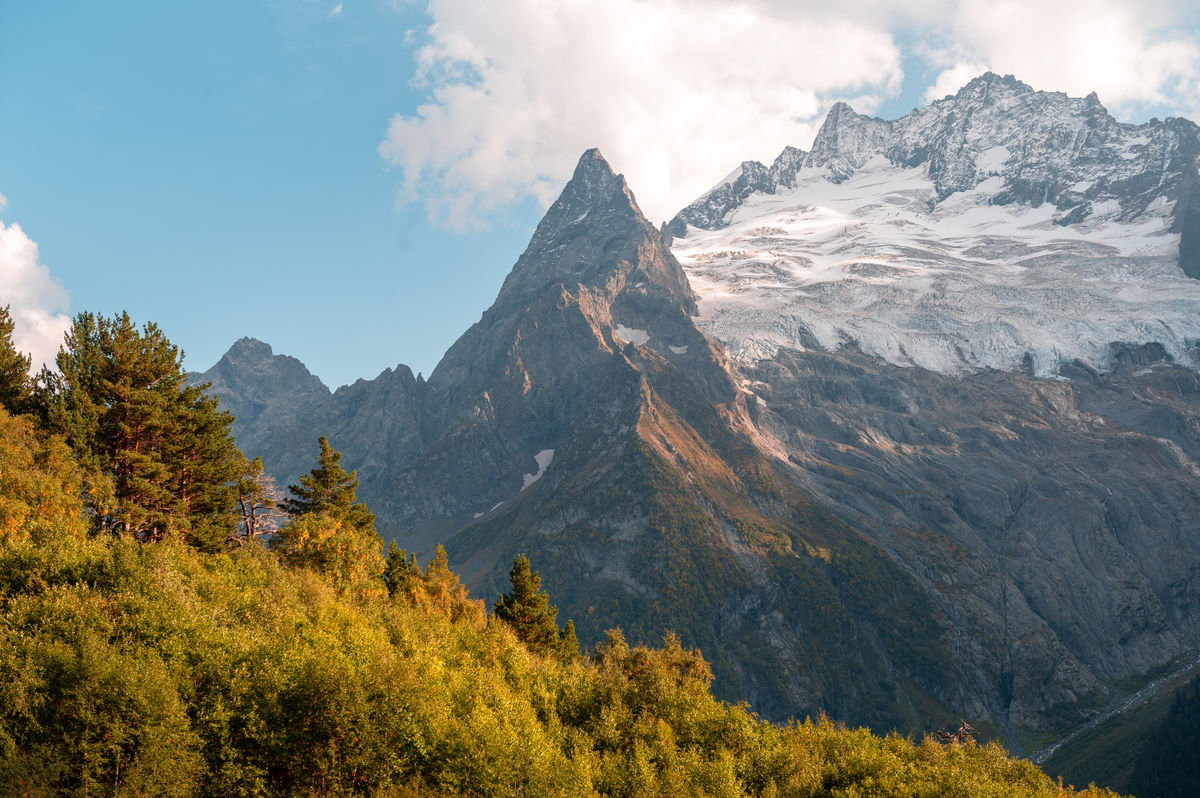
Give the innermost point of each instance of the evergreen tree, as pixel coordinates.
(328, 488)
(400, 571)
(568, 645)
(15, 385)
(527, 608)
(121, 399)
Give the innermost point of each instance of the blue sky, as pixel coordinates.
(351, 182)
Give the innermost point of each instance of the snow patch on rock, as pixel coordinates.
(543, 460)
(632, 334)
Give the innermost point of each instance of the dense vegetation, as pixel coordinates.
(1166, 764)
(151, 645)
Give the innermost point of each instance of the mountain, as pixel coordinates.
(705, 428)
(999, 226)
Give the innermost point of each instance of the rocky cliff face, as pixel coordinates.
(836, 529)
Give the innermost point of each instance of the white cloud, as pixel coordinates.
(949, 81)
(673, 92)
(1133, 55)
(677, 92)
(3, 203)
(36, 300)
(333, 12)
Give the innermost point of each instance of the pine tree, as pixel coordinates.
(258, 504)
(328, 488)
(121, 399)
(527, 608)
(15, 385)
(568, 645)
(400, 571)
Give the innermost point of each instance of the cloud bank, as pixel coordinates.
(677, 92)
(36, 300)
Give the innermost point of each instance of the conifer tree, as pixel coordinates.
(121, 399)
(15, 385)
(328, 488)
(568, 644)
(527, 608)
(400, 571)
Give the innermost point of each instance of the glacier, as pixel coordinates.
(1028, 258)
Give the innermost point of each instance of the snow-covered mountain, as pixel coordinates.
(1002, 227)
(892, 545)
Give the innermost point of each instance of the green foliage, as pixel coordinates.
(329, 544)
(40, 483)
(1166, 764)
(526, 608)
(15, 385)
(128, 669)
(329, 489)
(158, 452)
(568, 644)
(400, 571)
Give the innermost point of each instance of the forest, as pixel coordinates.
(172, 624)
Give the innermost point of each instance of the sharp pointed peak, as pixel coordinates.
(593, 159)
(595, 183)
(593, 191)
(841, 107)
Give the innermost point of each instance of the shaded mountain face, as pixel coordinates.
(892, 544)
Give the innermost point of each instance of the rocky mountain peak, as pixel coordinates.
(846, 140)
(1011, 145)
(249, 349)
(595, 235)
(990, 82)
(594, 194)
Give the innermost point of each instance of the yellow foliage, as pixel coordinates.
(40, 483)
(325, 542)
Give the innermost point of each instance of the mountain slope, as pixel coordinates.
(992, 228)
(1007, 534)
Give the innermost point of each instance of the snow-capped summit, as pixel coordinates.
(988, 229)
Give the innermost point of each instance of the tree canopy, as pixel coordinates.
(15, 385)
(527, 609)
(159, 452)
(329, 488)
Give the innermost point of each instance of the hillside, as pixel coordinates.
(894, 544)
(133, 668)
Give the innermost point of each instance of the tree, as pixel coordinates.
(326, 542)
(568, 644)
(328, 488)
(121, 399)
(15, 385)
(40, 483)
(400, 571)
(527, 608)
(258, 504)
